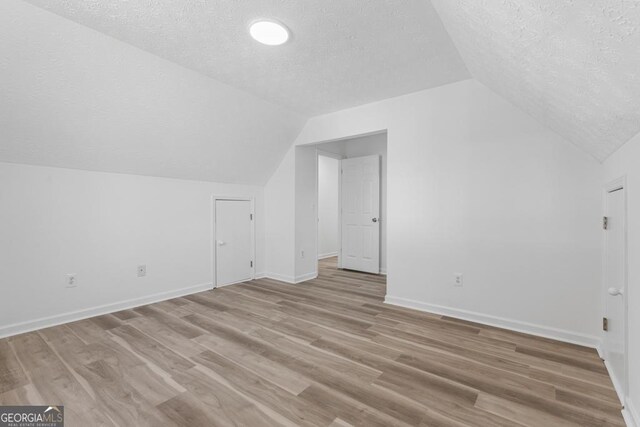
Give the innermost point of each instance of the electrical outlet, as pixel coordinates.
(142, 270)
(457, 279)
(71, 280)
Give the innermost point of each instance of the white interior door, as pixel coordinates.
(360, 223)
(615, 283)
(234, 254)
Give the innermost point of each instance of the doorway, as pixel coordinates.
(351, 203)
(328, 205)
(233, 241)
(615, 286)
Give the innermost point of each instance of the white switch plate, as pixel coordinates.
(71, 280)
(457, 279)
(142, 270)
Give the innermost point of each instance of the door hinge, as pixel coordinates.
(250, 263)
(605, 324)
(250, 217)
(605, 223)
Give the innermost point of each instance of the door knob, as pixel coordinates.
(374, 219)
(221, 243)
(615, 291)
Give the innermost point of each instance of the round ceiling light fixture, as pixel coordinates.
(269, 32)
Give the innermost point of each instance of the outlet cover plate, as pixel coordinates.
(142, 270)
(458, 279)
(71, 280)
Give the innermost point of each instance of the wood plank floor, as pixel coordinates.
(327, 352)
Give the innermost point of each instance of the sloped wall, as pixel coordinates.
(76, 98)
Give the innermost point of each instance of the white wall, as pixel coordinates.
(626, 161)
(280, 217)
(101, 226)
(328, 195)
(476, 186)
(306, 213)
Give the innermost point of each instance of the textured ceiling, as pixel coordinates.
(343, 53)
(73, 97)
(572, 64)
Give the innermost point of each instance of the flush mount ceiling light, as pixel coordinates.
(269, 32)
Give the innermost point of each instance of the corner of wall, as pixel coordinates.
(279, 195)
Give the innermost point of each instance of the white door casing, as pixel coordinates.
(360, 217)
(615, 297)
(233, 241)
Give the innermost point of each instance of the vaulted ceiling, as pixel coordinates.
(572, 64)
(73, 97)
(343, 53)
(177, 88)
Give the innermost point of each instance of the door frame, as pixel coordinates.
(339, 158)
(214, 247)
(317, 143)
(621, 182)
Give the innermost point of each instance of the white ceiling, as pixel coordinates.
(343, 53)
(572, 64)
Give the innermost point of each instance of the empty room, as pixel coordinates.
(319, 213)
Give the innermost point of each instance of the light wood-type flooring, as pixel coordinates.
(326, 352)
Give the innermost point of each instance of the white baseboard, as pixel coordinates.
(235, 283)
(291, 279)
(46, 322)
(616, 384)
(500, 322)
(328, 255)
(305, 277)
(280, 277)
(631, 415)
(600, 351)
